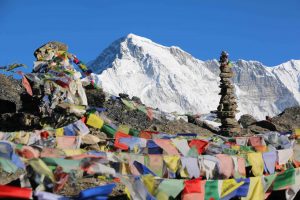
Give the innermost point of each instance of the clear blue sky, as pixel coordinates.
(263, 30)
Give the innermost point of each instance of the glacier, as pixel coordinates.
(172, 80)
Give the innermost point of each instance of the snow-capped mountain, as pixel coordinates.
(171, 79)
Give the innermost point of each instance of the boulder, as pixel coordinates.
(289, 119)
(247, 120)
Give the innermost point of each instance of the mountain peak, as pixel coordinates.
(171, 79)
(136, 38)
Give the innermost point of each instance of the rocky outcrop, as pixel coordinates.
(95, 97)
(10, 101)
(288, 120)
(247, 120)
(23, 111)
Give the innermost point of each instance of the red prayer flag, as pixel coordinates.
(200, 145)
(192, 186)
(15, 192)
(117, 143)
(27, 86)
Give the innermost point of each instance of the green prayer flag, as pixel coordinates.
(170, 187)
(109, 131)
(230, 151)
(211, 190)
(246, 148)
(66, 164)
(268, 181)
(134, 132)
(285, 179)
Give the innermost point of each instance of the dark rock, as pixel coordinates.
(226, 85)
(7, 106)
(225, 90)
(267, 125)
(10, 92)
(120, 114)
(247, 120)
(261, 126)
(124, 96)
(289, 119)
(19, 121)
(96, 97)
(231, 107)
(29, 104)
(181, 126)
(136, 99)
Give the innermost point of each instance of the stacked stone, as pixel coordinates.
(227, 108)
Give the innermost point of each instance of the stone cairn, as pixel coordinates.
(227, 108)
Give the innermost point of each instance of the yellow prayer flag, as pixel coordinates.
(127, 193)
(229, 185)
(95, 121)
(256, 189)
(162, 196)
(41, 168)
(184, 173)
(257, 163)
(149, 183)
(59, 132)
(172, 162)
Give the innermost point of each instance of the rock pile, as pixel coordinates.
(227, 108)
(10, 102)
